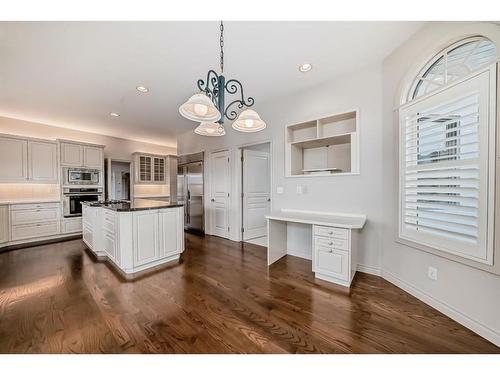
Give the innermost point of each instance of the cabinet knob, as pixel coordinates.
(212, 200)
(330, 243)
(331, 251)
(330, 232)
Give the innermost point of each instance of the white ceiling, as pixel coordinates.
(73, 74)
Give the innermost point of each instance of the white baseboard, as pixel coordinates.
(444, 308)
(369, 269)
(299, 254)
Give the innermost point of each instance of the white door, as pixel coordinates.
(256, 193)
(42, 161)
(14, 156)
(219, 190)
(92, 157)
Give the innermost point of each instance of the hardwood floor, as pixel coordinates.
(221, 298)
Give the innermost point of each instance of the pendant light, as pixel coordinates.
(199, 107)
(249, 121)
(210, 129)
(208, 106)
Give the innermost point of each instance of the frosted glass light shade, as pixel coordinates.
(249, 121)
(210, 129)
(199, 107)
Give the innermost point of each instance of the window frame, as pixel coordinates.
(419, 76)
(491, 165)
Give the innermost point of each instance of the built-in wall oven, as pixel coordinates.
(81, 176)
(73, 198)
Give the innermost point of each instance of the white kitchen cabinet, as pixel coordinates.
(4, 224)
(14, 159)
(42, 161)
(168, 230)
(135, 240)
(151, 169)
(72, 225)
(28, 160)
(34, 220)
(81, 155)
(146, 240)
(93, 157)
(38, 230)
(71, 154)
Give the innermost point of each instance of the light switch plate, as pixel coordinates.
(280, 190)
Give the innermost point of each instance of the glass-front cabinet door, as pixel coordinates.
(145, 168)
(159, 169)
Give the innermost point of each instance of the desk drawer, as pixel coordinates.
(39, 215)
(332, 262)
(331, 232)
(334, 243)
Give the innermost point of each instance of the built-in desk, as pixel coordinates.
(334, 241)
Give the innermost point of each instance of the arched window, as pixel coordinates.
(455, 62)
(447, 153)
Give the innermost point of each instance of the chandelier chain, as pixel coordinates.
(221, 42)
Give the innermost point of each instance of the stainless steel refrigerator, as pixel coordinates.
(190, 190)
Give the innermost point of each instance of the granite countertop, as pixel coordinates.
(135, 205)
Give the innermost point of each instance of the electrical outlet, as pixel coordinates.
(432, 273)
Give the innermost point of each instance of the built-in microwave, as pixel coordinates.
(81, 176)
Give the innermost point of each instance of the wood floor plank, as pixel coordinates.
(220, 298)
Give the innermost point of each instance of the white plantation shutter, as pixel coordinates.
(445, 157)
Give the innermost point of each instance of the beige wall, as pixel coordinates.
(116, 148)
(357, 194)
(467, 294)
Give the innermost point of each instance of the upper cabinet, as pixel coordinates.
(71, 154)
(28, 160)
(81, 155)
(151, 169)
(327, 146)
(14, 159)
(93, 157)
(42, 161)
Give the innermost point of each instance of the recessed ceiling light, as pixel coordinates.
(142, 89)
(114, 114)
(305, 67)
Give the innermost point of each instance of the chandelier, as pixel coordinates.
(209, 105)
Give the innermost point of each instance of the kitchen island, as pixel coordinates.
(134, 236)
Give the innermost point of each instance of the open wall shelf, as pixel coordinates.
(324, 147)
